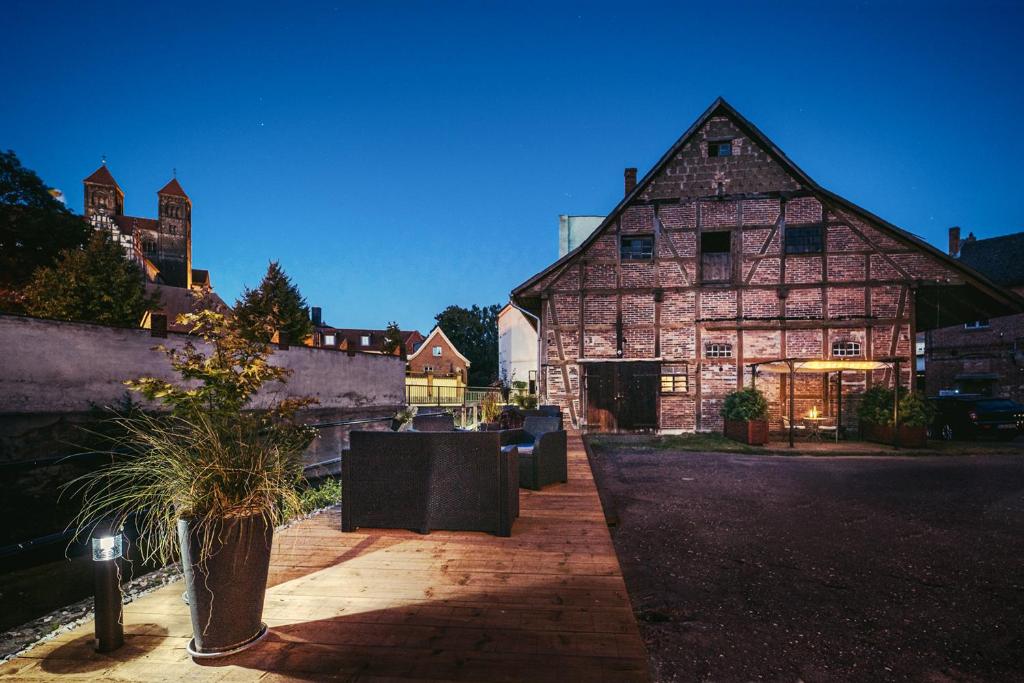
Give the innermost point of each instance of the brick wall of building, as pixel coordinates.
(858, 288)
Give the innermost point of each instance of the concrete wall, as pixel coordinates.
(54, 375)
(49, 366)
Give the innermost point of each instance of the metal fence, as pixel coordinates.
(423, 395)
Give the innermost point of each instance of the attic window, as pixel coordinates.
(328, 340)
(720, 148)
(364, 340)
(436, 351)
(804, 240)
(637, 248)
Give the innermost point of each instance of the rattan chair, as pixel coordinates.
(456, 481)
(433, 422)
(542, 449)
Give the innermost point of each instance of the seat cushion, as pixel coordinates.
(525, 448)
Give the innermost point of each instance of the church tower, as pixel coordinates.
(174, 241)
(103, 196)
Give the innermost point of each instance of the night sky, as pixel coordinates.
(397, 157)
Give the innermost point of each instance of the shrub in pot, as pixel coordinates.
(875, 414)
(208, 479)
(745, 412)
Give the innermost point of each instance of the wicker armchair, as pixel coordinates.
(456, 481)
(433, 422)
(542, 451)
(545, 411)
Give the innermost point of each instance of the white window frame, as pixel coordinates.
(845, 348)
(364, 340)
(329, 340)
(718, 350)
(436, 351)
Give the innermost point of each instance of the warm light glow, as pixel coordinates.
(814, 413)
(820, 366)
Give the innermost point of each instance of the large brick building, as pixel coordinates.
(983, 356)
(727, 254)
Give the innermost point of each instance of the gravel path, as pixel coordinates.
(817, 569)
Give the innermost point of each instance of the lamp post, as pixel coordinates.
(106, 554)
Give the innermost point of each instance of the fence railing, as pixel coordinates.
(424, 395)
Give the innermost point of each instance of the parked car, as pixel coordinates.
(970, 417)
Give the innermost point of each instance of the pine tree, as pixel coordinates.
(275, 306)
(392, 338)
(96, 284)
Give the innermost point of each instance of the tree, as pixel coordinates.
(34, 227)
(392, 338)
(474, 331)
(276, 305)
(96, 284)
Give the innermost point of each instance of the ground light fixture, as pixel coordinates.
(106, 555)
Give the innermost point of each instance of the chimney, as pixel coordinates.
(954, 241)
(315, 316)
(630, 177)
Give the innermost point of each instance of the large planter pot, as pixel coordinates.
(753, 432)
(909, 437)
(226, 582)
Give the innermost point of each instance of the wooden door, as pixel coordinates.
(622, 396)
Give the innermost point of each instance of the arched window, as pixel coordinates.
(845, 349)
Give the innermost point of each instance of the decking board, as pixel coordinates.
(547, 604)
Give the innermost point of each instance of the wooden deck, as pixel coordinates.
(547, 604)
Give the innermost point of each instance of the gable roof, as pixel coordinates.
(102, 176)
(128, 224)
(433, 333)
(721, 107)
(509, 307)
(173, 188)
(1000, 259)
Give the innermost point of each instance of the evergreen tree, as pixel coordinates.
(96, 284)
(275, 306)
(392, 338)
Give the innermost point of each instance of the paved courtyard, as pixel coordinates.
(750, 567)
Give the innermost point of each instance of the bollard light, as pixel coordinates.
(106, 554)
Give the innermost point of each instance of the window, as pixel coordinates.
(845, 349)
(715, 259)
(976, 325)
(718, 350)
(675, 383)
(436, 351)
(720, 148)
(804, 240)
(329, 340)
(637, 248)
(428, 368)
(364, 340)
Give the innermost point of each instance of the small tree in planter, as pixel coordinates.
(745, 412)
(208, 481)
(876, 416)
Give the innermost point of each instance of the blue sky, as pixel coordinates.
(397, 157)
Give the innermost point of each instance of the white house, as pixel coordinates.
(517, 346)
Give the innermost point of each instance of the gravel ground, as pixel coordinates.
(820, 569)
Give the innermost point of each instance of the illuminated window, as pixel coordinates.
(364, 340)
(436, 351)
(976, 325)
(845, 349)
(329, 340)
(720, 148)
(674, 383)
(718, 350)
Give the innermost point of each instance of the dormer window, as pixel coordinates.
(329, 340)
(720, 148)
(364, 340)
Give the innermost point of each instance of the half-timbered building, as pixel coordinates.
(724, 255)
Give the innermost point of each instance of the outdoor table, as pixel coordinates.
(813, 427)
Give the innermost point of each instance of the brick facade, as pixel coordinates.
(448, 362)
(858, 285)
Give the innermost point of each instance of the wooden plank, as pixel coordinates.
(547, 604)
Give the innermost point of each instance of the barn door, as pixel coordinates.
(638, 396)
(622, 396)
(601, 410)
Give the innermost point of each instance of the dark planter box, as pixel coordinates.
(753, 432)
(909, 437)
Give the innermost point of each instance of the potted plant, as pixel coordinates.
(208, 479)
(745, 412)
(876, 417)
